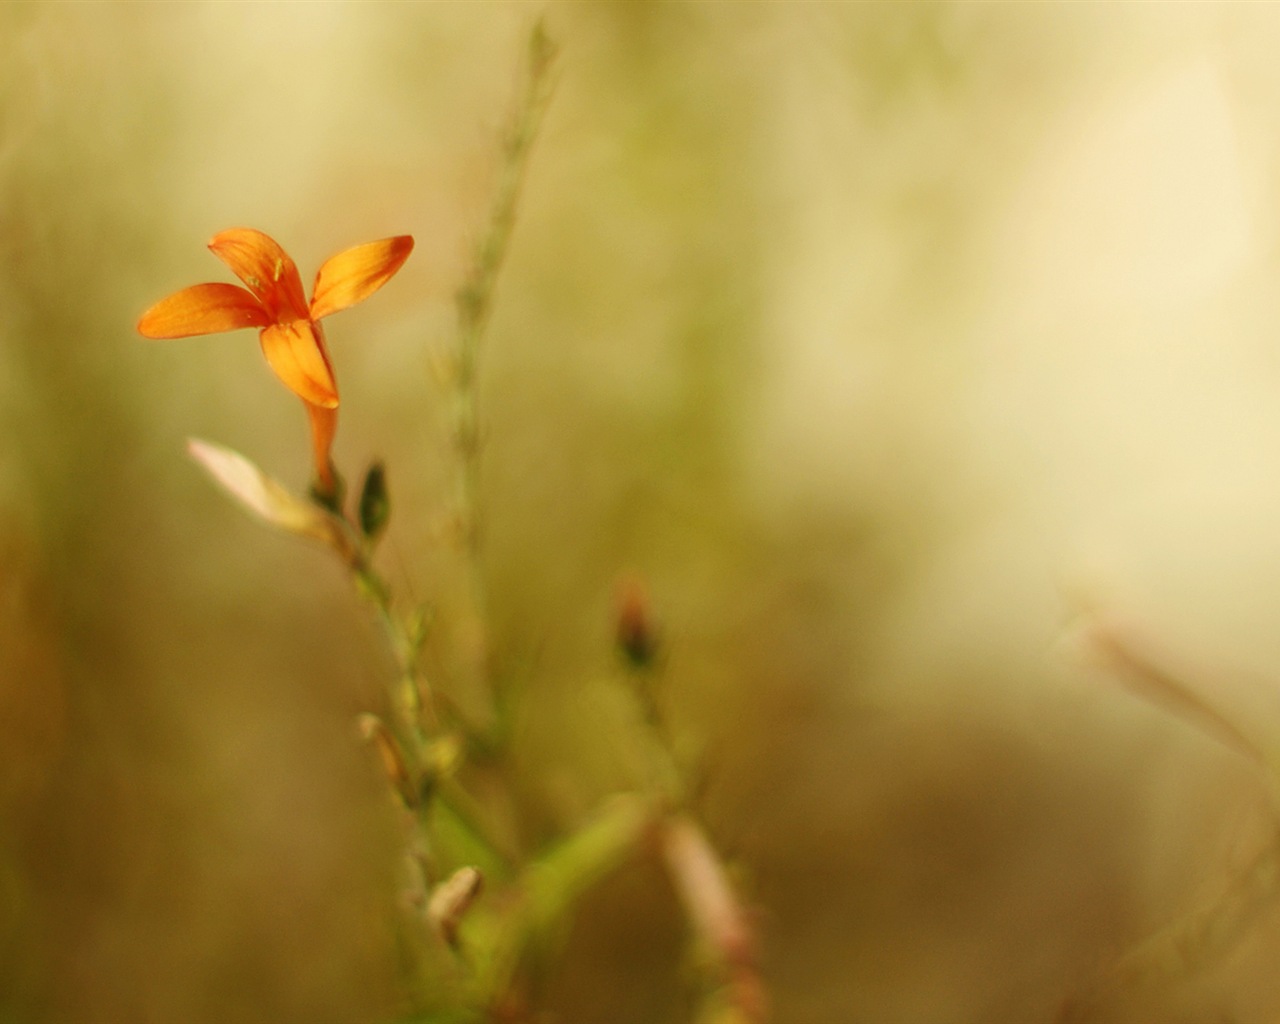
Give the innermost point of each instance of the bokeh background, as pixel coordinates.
(870, 335)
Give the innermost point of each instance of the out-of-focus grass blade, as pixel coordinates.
(1143, 672)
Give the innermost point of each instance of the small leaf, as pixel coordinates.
(268, 499)
(375, 502)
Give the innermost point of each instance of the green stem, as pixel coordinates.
(415, 700)
(553, 884)
(474, 302)
(416, 703)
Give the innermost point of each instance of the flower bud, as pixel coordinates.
(375, 502)
(635, 633)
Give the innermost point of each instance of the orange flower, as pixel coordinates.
(291, 335)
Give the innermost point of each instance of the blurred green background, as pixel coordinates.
(863, 332)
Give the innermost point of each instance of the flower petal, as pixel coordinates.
(296, 353)
(355, 274)
(203, 309)
(271, 275)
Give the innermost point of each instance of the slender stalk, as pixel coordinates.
(474, 302)
(418, 708)
(718, 918)
(416, 700)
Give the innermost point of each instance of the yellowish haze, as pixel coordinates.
(879, 339)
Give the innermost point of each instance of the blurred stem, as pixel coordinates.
(415, 700)
(416, 704)
(433, 747)
(718, 919)
(1207, 934)
(1142, 668)
(670, 782)
(553, 884)
(1189, 945)
(474, 302)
